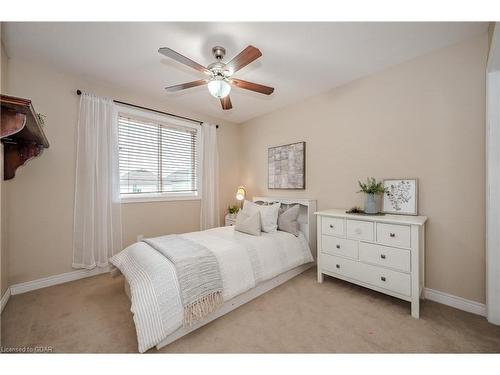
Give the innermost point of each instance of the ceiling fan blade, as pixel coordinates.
(183, 59)
(252, 86)
(226, 103)
(186, 85)
(244, 58)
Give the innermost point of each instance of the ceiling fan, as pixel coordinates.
(219, 74)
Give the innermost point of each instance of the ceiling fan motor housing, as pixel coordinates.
(218, 70)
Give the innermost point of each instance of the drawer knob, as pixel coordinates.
(358, 231)
(337, 265)
(382, 256)
(382, 278)
(331, 226)
(338, 246)
(392, 234)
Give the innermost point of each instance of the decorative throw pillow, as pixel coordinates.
(249, 224)
(287, 220)
(268, 214)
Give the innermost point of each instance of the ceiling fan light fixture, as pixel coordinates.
(220, 74)
(219, 88)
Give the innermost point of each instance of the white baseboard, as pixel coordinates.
(454, 301)
(55, 280)
(4, 299)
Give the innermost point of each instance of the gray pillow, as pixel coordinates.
(287, 220)
(248, 223)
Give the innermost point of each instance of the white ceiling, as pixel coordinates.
(299, 59)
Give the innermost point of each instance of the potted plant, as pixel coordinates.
(232, 211)
(371, 188)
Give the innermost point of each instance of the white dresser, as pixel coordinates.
(384, 252)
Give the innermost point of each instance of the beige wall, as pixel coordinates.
(40, 197)
(3, 231)
(424, 118)
(491, 31)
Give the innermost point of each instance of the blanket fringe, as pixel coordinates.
(202, 307)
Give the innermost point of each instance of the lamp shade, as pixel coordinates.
(219, 88)
(240, 194)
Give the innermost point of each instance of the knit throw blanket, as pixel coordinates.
(198, 273)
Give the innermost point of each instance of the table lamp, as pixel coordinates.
(240, 194)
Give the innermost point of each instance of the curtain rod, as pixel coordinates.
(79, 92)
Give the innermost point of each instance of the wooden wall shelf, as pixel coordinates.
(21, 133)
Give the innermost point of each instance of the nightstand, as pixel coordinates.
(230, 220)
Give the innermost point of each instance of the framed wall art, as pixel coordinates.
(287, 166)
(400, 196)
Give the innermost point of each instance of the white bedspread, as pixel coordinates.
(244, 262)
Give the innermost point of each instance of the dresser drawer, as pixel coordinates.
(394, 281)
(333, 226)
(388, 279)
(394, 235)
(360, 230)
(339, 246)
(391, 257)
(341, 266)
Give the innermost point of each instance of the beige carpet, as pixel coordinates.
(92, 315)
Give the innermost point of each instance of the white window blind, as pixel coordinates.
(157, 158)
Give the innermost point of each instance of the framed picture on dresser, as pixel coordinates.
(286, 166)
(401, 196)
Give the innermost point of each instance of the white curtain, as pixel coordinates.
(209, 216)
(97, 215)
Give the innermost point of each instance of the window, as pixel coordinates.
(158, 157)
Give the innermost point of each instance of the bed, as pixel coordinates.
(249, 266)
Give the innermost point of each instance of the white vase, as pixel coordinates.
(370, 204)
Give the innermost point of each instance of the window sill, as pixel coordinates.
(159, 198)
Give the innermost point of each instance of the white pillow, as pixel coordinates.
(268, 214)
(249, 224)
